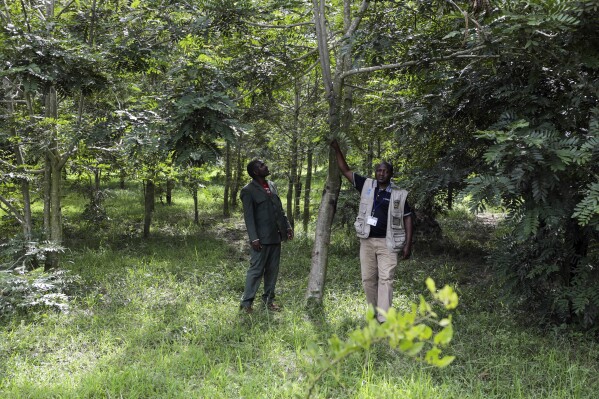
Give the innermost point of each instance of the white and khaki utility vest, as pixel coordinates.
(396, 232)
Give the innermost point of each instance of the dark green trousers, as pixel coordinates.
(263, 263)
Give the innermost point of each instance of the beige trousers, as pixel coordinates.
(378, 265)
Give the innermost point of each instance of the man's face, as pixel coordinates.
(261, 169)
(382, 174)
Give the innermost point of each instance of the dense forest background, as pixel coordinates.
(489, 105)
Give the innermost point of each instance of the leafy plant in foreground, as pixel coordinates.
(22, 292)
(409, 332)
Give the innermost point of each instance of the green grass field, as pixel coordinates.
(159, 319)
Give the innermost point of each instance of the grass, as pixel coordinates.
(159, 319)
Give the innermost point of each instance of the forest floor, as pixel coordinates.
(159, 318)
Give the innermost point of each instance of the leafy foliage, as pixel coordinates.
(201, 120)
(542, 155)
(409, 332)
(16, 254)
(21, 293)
(587, 210)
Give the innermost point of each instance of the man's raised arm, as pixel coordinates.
(343, 167)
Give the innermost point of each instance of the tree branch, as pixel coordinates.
(260, 25)
(26, 16)
(64, 9)
(303, 57)
(104, 149)
(458, 54)
(356, 21)
(63, 160)
(16, 168)
(12, 210)
(323, 48)
(467, 17)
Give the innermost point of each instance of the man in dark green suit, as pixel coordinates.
(267, 227)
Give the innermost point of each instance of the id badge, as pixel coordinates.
(372, 220)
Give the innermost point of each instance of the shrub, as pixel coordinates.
(22, 292)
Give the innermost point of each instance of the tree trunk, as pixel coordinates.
(170, 185)
(307, 191)
(55, 200)
(334, 92)
(97, 179)
(297, 199)
(46, 193)
(122, 176)
(369, 161)
(53, 210)
(196, 213)
(320, 252)
(26, 220)
(293, 167)
(149, 194)
(237, 173)
(226, 209)
(52, 185)
(289, 202)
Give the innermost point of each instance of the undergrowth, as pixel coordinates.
(159, 318)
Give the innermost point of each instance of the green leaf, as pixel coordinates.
(448, 297)
(444, 336)
(444, 361)
(452, 34)
(430, 284)
(415, 349)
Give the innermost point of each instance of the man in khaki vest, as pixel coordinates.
(384, 225)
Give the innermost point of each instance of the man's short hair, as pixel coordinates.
(387, 165)
(251, 168)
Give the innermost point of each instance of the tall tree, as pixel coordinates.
(349, 58)
(47, 58)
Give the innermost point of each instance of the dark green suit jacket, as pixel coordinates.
(263, 214)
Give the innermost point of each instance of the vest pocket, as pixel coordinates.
(360, 223)
(399, 238)
(396, 221)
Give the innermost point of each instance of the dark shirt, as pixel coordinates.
(380, 208)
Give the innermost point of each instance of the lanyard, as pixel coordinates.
(377, 204)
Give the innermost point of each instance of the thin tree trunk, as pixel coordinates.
(320, 252)
(293, 167)
(26, 220)
(289, 201)
(170, 185)
(369, 157)
(297, 199)
(46, 193)
(334, 91)
(236, 175)
(94, 191)
(328, 204)
(52, 185)
(307, 191)
(54, 232)
(149, 198)
(196, 213)
(55, 199)
(226, 209)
